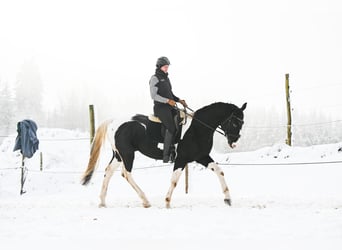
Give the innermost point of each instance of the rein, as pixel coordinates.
(203, 123)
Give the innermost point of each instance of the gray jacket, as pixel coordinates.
(160, 88)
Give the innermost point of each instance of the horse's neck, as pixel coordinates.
(222, 116)
(215, 114)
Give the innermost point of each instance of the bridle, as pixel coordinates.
(229, 120)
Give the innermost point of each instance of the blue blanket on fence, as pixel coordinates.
(27, 140)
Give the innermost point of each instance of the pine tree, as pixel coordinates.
(7, 108)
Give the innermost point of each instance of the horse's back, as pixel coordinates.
(129, 133)
(130, 128)
(154, 130)
(131, 136)
(141, 118)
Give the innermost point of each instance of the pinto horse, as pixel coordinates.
(196, 145)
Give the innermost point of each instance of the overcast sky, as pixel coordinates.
(225, 50)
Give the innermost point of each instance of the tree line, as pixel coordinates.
(23, 99)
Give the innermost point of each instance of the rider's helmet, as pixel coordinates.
(162, 61)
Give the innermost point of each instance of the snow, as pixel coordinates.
(277, 202)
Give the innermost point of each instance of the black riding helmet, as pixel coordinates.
(162, 61)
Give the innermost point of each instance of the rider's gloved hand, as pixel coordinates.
(171, 102)
(183, 103)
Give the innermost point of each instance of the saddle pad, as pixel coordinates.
(154, 118)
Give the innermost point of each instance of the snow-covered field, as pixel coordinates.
(275, 206)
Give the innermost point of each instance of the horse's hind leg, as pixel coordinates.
(126, 173)
(110, 169)
(129, 178)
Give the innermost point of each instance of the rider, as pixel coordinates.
(164, 101)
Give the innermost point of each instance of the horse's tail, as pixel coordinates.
(141, 118)
(95, 151)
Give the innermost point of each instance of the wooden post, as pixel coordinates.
(92, 123)
(288, 107)
(186, 179)
(41, 161)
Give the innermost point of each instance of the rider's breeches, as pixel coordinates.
(166, 114)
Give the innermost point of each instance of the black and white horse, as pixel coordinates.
(195, 145)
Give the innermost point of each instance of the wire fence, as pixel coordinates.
(252, 132)
(51, 139)
(165, 166)
(293, 125)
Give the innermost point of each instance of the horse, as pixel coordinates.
(195, 145)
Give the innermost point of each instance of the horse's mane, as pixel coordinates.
(213, 108)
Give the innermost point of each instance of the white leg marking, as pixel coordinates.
(174, 180)
(108, 175)
(131, 181)
(213, 166)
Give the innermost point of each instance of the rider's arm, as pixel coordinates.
(154, 91)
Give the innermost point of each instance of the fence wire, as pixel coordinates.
(169, 165)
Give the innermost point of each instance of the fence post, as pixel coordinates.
(41, 161)
(288, 106)
(92, 123)
(186, 179)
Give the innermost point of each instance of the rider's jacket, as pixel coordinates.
(160, 88)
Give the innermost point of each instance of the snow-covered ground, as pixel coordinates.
(275, 206)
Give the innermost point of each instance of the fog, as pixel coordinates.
(104, 52)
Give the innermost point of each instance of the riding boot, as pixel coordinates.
(168, 145)
(172, 153)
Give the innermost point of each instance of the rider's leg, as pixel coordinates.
(176, 136)
(165, 114)
(168, 146)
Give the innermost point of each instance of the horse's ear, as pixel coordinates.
(244, 106)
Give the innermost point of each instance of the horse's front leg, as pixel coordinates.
(174, 180)
(214, 167)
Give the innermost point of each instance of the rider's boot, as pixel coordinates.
(172, 153)
(168, 146)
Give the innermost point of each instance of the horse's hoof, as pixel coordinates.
(147, 205)
(228, 202)
(101, 205)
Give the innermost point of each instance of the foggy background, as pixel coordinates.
(57, 57)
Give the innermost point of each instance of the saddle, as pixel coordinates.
(156, 130)
(182, 115)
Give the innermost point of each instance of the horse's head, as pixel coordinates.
(233, 124)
